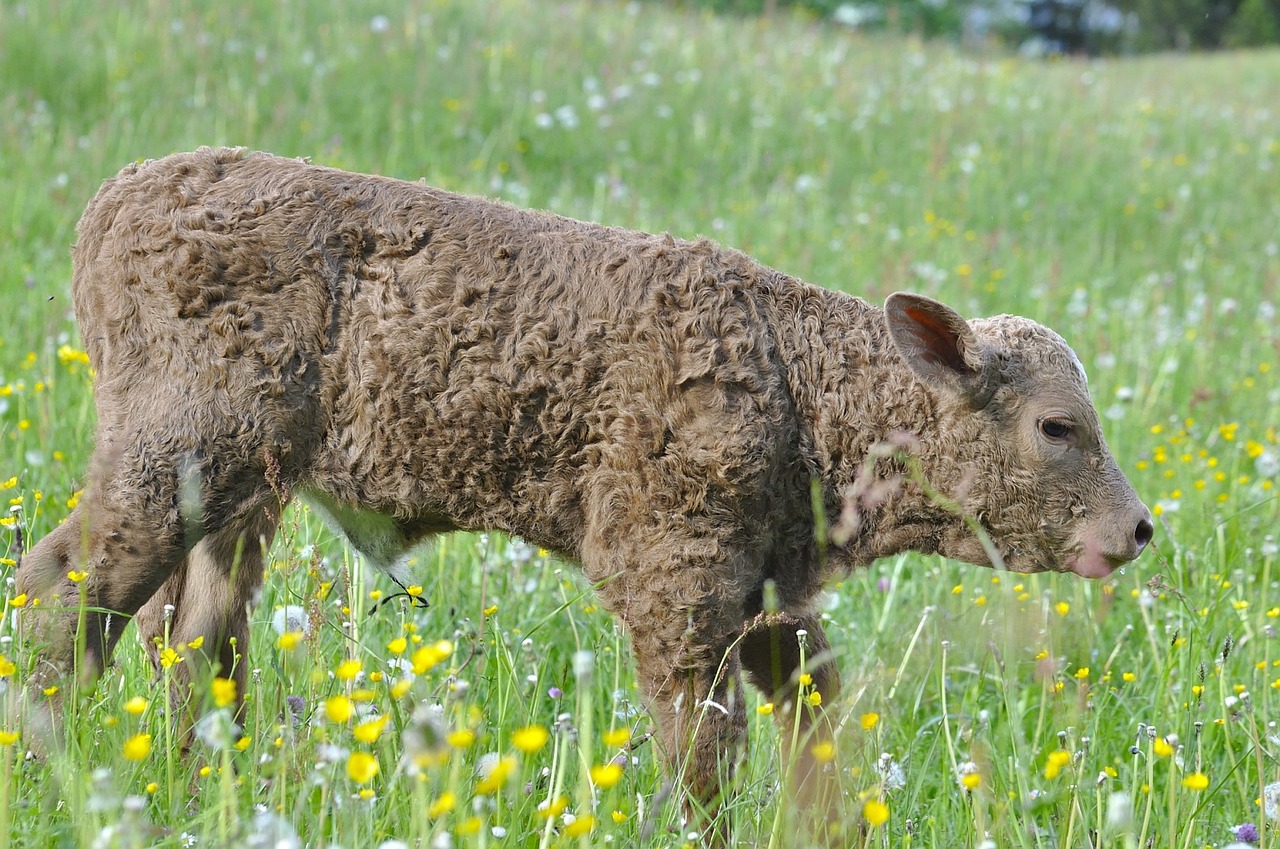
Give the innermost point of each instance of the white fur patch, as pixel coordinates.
(376, 536)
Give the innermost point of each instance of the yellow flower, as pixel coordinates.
(805, 679)
(1057, 760)
(875, 812)
(869, 720)
(823, 752)
(428, 656)
(1062, 608)
(554, 808)
(1196, 781)
(617, 737)
(169, 657)
(370, 731)
(153, 788)
(398, 645)
(195, 644)
(765, 709)
(1162, 748)
(606, 776)
(224, 691)
(400, 688)
(348, 669)
(339, 708)
(8, 738)
(490, 610)
(443, 804)
(496, 777)
(288, 641)
(50, 691)
(414, 590)
(971, 780)
(135, 706)
(7, 667)
(619, 817)
(137, 747)
(461, 739)
(815, 698)
(584, 824)
(362, 767)
(1082, 673)
(76, 577)
(243, 743)
(1128, 678)
(530, 739)
(18, 600)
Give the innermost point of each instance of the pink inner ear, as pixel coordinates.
(938, 338)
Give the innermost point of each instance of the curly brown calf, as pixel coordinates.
(413, 361)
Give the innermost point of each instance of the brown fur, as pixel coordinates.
(652, 408)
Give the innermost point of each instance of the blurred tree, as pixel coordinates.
(1255, 23)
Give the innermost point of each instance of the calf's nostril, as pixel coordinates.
(1144, 533)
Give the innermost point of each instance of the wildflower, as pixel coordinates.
(50, 691)
(443, 804)
(530, 739)
(582, 825)
(370, 731)
(606, 776)
(290, 618)
(76, 577)
(1062, 608)
(1196, 781)
(875, 812)
(1162, 748)
(195, 644)
(1246, 832)
(1082, 673)
(7, 667)
(806, 679)
(135, 706)
(617, 737)
(619, 817)
(339, 709)
(870, 720)
(18, 600)
(814, 699)
(1057, 760)
(414, 590)
(461, 739)
(398, 645)
(137, 747)
(169, 657)
(362, 767)
(428, 656)
(224, 691)
(549, 809)
(765, 709)
(494, 772)
(288, 641)
(823, 752)
(8, 738)
(348, 669)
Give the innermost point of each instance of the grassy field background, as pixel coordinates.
(1133, 205)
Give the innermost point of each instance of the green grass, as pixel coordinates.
(1134, 206)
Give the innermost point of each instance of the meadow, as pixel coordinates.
(1134, 205)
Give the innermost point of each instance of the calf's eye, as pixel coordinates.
(1055, 430)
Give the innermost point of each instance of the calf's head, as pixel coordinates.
(1020, 441)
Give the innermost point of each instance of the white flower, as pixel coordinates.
(1271, 801)
(291, 617)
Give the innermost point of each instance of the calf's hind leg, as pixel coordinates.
(208, 596)
(114, 551)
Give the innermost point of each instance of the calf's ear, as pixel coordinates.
(939, 346)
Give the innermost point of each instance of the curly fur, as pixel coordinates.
(655, 409)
